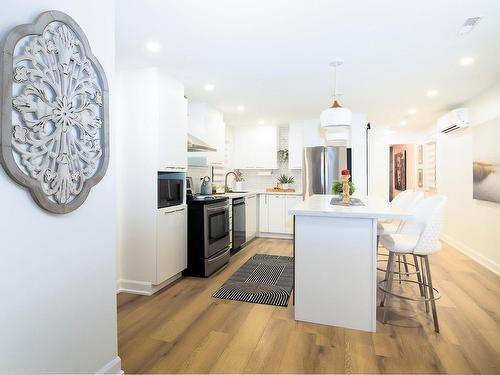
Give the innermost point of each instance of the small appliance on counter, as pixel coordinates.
(206, 186)
(208, 233)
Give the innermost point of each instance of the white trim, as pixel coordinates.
(144, 288)
(112, 367)
(473, 254)
(283, 236)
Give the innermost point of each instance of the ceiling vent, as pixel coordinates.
(454, 120)
(468, 25)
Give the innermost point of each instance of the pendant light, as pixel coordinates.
(336, 115)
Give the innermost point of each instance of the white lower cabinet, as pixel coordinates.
(273, 213)
(291, 202)
(276, 213)
(250, 217)
(171, 243)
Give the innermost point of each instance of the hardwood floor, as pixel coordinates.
(184, 329)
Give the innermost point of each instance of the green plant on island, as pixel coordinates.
(337, 187)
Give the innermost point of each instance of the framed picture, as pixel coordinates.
(420, 178)
(420, 153)
(486, 162)
(400, 171)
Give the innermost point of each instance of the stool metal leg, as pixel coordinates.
(390, 271)
(419, 276)
(424, 281)
(382, 301)
(431, 291)
(406, 265)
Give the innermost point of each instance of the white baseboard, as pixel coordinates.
(112, 367)
(473, 254)
(283, 236)
(143, 287)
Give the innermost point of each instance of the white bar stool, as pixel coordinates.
(419, 238)
(405, 200)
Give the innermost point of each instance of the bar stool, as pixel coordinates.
(418, 237)
(405, 200)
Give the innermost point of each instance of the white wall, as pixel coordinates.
(470, 225)
(57, 273)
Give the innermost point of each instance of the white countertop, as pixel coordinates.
(319, 205)
(248, 193)
(279, 193)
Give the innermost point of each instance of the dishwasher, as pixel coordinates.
(239, 230)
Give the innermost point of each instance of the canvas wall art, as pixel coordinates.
(486, 161)
(400, 171)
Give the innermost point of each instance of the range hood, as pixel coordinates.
(196, 145)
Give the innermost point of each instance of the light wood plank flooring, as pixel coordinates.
(184, 329)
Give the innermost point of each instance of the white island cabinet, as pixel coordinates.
(335, 261)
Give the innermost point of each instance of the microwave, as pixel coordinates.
(170, 189)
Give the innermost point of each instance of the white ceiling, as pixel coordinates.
(272, 56)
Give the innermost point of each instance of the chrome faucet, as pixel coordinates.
(225, 180)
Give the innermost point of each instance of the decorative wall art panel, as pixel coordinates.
(54, 119)
(486, 161)
(400, 171)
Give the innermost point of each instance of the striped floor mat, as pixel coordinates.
(264, 279)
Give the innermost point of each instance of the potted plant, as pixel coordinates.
(291, 180)
(283, 155)
(337, 188)
(283, 181)
(238, 180)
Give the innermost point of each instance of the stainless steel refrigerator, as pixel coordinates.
(321, 166)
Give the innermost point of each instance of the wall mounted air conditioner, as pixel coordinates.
(454, 120)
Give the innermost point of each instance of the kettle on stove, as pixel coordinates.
(206, 186)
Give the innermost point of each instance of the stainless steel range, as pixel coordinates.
(208, 234)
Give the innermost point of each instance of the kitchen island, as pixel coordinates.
(335, 260)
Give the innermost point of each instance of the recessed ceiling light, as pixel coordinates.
(467, 60)
(261, 122)
(432, 93)
(209, 87)
(402, 123)
(153, 47)
(240, 108)
(412, 111)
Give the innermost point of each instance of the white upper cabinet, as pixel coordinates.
(255, 147)
(295, 146)
(172, 124)
(207, 124)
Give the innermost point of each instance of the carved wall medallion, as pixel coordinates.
(54, 119)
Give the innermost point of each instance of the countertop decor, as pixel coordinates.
(54, 117)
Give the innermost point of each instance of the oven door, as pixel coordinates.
(216, 228)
